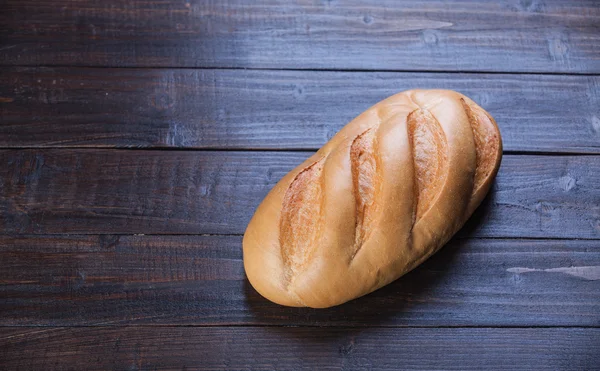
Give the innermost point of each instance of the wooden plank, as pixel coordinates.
(183, 192)
(510, 35)
(237, 109)
(143, 348)
(200, 280)
(190, 192)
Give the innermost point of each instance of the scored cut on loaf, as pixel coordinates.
(384, 194)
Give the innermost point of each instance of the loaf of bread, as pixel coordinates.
(384, 194)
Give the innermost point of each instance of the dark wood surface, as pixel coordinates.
(137, 138)
(510, 35)
(49, 191)
(209, 348)
(110, 280)
(253, 109)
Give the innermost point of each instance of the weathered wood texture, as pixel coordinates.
(511, 35)
(81, 289)
(188, 192)
(134, 348)
(236, 109)
(199, 280)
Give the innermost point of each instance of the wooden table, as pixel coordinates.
(139, 136)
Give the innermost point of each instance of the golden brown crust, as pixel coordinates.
(375, 201)
(430, 157)
(365, 184)
(299, 224)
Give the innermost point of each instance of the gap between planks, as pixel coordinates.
(307, 151)
(238, 325)
(299, 69)
(455, 237)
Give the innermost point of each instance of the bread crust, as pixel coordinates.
(384, 194)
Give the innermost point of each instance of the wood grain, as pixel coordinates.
(237, 109)
(510, 35)
(131, 259)
(299, 348)
(189, 192)
(200, 280)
